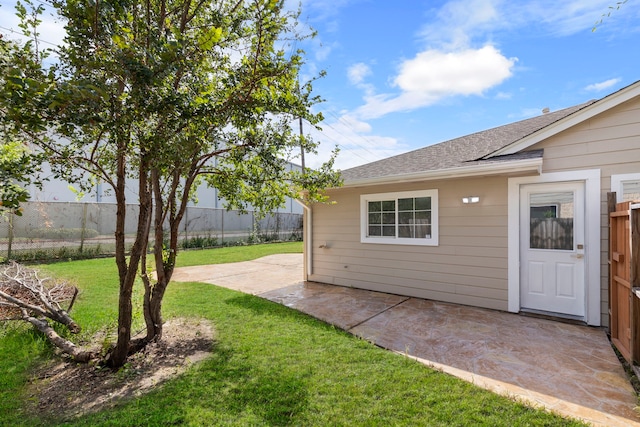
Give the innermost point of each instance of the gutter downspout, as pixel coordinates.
(307, 239)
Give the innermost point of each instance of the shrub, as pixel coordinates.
(199, 242)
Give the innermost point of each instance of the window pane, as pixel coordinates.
(423, 217)
(630, 191)
(388, 218)
(389, 206)
(375, 218)
(551, 221)
(423, 231)
(375, 231)
(375, 206)
(389, 231)
(405, 217)
(423, 203)
(405, 231)
(544, 212)
(405, 204)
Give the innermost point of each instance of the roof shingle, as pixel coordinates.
(462, 151)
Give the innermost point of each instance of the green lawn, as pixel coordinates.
(235, 253)
(270, 366)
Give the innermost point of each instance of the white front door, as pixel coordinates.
(552, 264)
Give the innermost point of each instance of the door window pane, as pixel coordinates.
(551, 220)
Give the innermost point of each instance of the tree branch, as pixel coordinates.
(65, 345)
(22, 289)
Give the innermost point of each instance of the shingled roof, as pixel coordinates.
(467, 150)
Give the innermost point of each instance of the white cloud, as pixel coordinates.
(504, 95)
(357, 144)
(433, 75)
(458, 22)
(451, 64)
(563, 18)
(597, 87)
(349, 123)
(322, 50)
(464, 72)
(358, 72)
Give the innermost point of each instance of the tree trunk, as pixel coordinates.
(119, 354)
(154, 326)
(153, 305)
(164, 262)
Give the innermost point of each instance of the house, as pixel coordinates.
(513, 218)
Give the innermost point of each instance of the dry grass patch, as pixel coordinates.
(64, 390)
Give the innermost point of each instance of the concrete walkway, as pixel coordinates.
(566, 368)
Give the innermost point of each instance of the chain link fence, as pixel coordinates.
(50, 230)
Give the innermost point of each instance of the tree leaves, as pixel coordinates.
(17, 167)
(152, 97)
(209, 38)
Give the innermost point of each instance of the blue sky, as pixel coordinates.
(404, 74)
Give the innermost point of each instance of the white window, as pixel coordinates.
(626, 186)
(404, 218)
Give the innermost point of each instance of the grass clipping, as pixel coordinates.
(66, 390)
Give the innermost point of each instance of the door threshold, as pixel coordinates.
(558, 317)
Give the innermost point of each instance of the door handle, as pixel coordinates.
(579, 256)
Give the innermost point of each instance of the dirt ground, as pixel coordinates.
(64, 390)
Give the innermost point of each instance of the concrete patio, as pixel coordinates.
(566, 368)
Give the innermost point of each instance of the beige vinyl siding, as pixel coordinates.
(469, 266)
(609, 142)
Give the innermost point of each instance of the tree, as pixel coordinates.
(171, 93)
(18, 165)
(15, 168)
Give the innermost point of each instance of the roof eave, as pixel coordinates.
(511, 167)
(598, 107)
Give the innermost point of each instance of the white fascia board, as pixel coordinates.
(574, 119)
(515, 166)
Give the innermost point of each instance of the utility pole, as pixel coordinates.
(301, 145)
(301, 132)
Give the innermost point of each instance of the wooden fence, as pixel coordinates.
(624, 279)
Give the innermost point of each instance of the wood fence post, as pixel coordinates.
(611, 207)
(634, 279)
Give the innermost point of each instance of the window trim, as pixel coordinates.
(366, 198)
(618, 180)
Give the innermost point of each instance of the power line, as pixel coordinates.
(11, 30)
(37, 1)
(350, 138)
(25, 35)
(339, 144)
